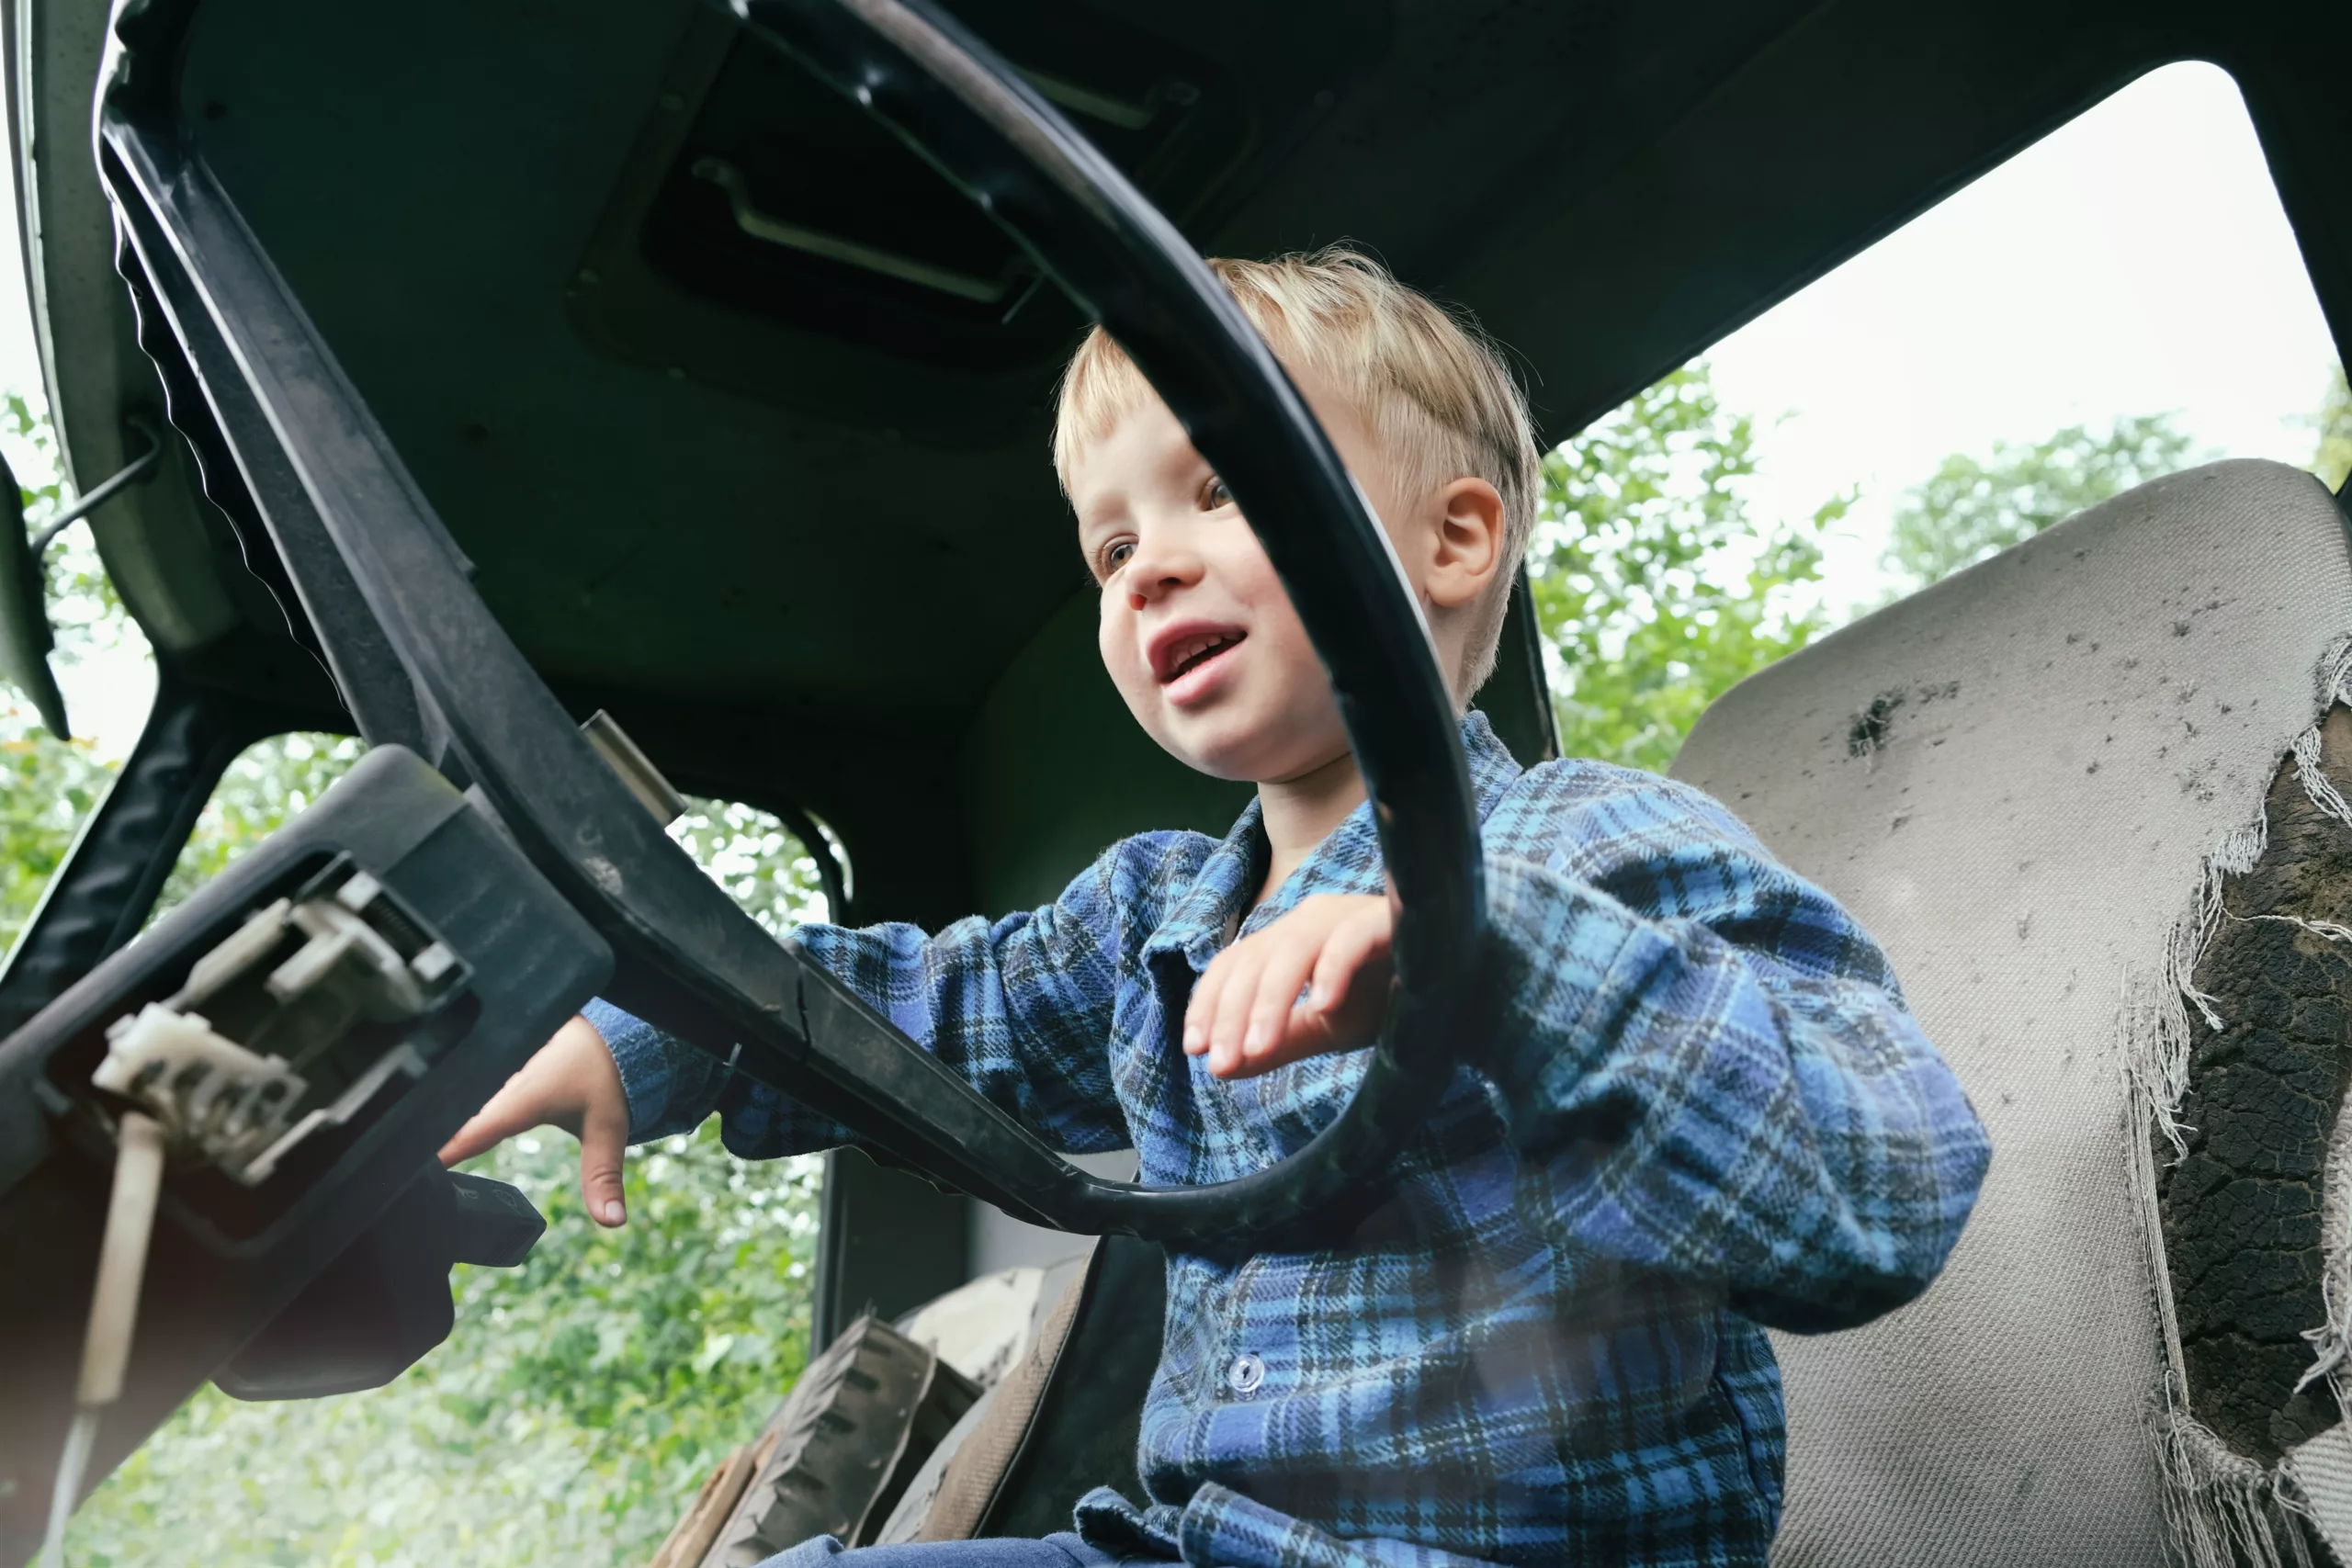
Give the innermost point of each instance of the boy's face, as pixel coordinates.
(1196, 631)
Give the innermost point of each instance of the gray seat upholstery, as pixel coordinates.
(2018, 780)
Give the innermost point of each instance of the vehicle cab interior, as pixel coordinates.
(456, 331)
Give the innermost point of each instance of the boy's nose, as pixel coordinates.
(1157, 566)
(1142, 592)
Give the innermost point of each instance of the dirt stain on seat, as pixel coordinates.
(1872, 730)
(1873, 726)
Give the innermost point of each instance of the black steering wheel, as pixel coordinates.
(380, 577)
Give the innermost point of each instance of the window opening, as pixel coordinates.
(50, 786)
(267, 786)
(2047, 337)
(764, 864)
(579, 1395)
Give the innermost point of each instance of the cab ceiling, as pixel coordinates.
(867, 527)
(693, 462)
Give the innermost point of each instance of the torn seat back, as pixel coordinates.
(2030, 781)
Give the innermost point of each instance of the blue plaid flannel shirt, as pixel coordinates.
(1706, 1109)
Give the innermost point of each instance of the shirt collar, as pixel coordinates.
(1346, 862)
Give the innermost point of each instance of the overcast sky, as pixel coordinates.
(2135, 262)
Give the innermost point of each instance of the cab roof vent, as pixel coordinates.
(761, 214)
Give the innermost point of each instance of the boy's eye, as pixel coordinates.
(1115, 553)
(1213, 495)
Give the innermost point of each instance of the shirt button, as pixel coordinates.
(1246, 1373)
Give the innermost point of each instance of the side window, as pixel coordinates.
(579, 1395)
(49, 785)
(2046, 338)
(267, 786)
(759, 861)
(2333, 461)
(762, 863)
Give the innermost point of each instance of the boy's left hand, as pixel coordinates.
(1247, 1014)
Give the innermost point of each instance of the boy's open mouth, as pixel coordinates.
(1174, 657)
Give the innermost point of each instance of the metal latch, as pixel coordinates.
(620, 753)
(228, 1061)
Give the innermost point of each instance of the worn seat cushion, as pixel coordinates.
(2018, 780)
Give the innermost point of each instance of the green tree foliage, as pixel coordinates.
(270, 781)
(47, 786)
(2333, 461)
(1975, 507)
(748, 852)
(1655, 587)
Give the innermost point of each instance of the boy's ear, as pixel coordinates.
(1469, 545)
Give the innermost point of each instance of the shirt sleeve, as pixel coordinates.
(1711, 1066)
(1021, 1007)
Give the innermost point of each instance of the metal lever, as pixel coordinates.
(106, 490)
(637, 770)
(760, 225)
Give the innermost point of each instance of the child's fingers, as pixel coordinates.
(1226, 970)
(604, 1142)
(1305, 1035)
(515, 1107)
(1245, 1014)
(1355, 952)
(1247, 960)
(1279, 982)
(1200, 1009)
(567, 1080)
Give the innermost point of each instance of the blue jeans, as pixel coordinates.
(1059, 1551)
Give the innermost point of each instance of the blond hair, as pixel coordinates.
(1430, 388)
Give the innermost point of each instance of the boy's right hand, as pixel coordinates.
(571, 1083)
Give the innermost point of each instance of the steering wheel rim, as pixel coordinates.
(263, 395)
(969, 114)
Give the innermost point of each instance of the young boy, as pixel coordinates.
(1704, 1108)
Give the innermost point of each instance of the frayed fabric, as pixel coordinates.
(2224, 1510)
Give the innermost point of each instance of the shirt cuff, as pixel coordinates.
(650, 1067)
